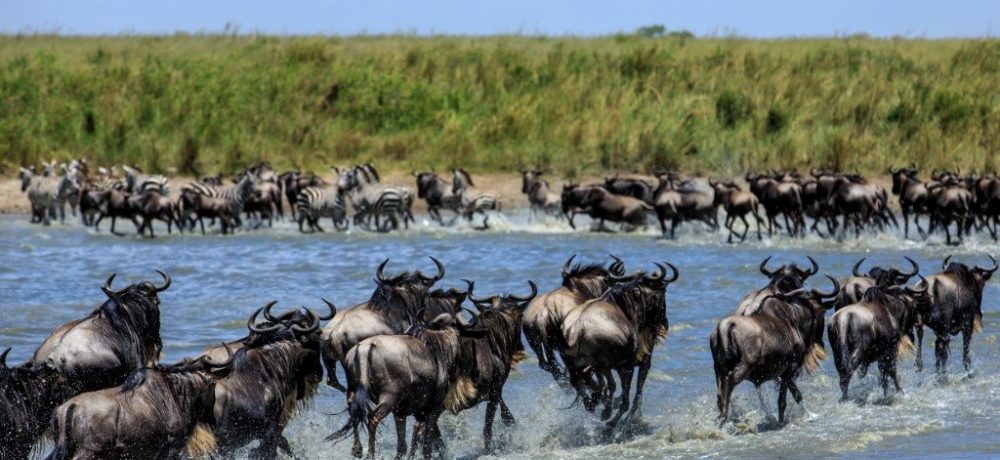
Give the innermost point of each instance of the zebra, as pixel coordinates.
(390, 205)
(473, 201)
(438, 194)
(364, 192)
(47, 194)
(314, 203)
(236, 195)
(138, 182)
(539, 193)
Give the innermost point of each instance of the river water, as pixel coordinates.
(51, 275)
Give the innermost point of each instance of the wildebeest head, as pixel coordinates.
(501, 316)
(404, 291)
(974, 277)
(529, 178)
(135, 309)
(427, 180)
(591, 280)
(645, 296)
(885, 277)
(440, 301)
(787, 278)
(902, 175)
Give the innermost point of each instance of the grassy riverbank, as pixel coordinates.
(201, 104)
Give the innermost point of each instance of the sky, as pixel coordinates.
(751, 18)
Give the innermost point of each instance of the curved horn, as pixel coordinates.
(333, 310)
(815, 266)
(566, 266)
(313, 324)
(3, 358)
(229, 358)
(894, 170)
(534, 292)
(618, 278)
(378, 272)
(836, 288)
(422, 315)
(923, 282)
(618, 266)
(267, 312)
(915, 266)
(856, 269)
(661, 271)
(440, 269)
(471, 296)
(166, 282)
(991, 270)
(676, 273)
(252, 322)
(763, 267)
(107, 285)
(944, 263)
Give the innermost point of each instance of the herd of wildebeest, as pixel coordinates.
(96, 389)
(835, 203)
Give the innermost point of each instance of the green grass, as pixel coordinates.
(192, 104)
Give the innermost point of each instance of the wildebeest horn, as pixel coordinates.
(616, 277)
(166, 282)
(944, 264)
(923, 282)
(333, 310)
(856, 269)
(913, 263)
(267, 312)
(618, 266)
(3, 358)
(991, 270)
(313, 324)
(107, 285)
(378, 272)
(252, 322)
(440, 270)
(470, 295)
(565, 269)
(763, 267)
(676, 272)
(815, 266)
(534, 292)
(229, 358)
(836, 288)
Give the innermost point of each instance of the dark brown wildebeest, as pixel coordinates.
(878, 328)
(950, 204)
(883, 278)
(162, 412)
(405, 375)
(737, 203)
(276, 370)
(120, 336)
(785, 278)
(617, 332)
(956, 306)
(775, 342)
(913, 196)
(152, 205)
(544, 316)
(444, 302)
(679, 205)
(602, 205)
(540, 195)
(438, 194)
(28, 395)
(485, 363)
(114, 204)
(630, 186)
(391, 309)
(194, 206)
(778, 198)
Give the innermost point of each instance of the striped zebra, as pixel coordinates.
(473, 200)
(48, 194)
(390, 206)
(236, 195)
(139, 182)
(315, 203)
(365, 191)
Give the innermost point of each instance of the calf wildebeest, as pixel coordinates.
(876, 328)
(485, 363)
(617, 332)
(276, 370)
(913, 196)
(118, 337)
(737, 203)
(161, 412)
(785, 278)
(541, 198)
(438, 194)
(956, 306)
(544, 316)
(391, 309)
(782, 336)
(603, 205)
(28, 395)
(405, 375)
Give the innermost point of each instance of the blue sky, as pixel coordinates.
(760, 18)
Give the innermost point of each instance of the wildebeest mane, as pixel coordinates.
(966, 276)
(587, 279)
(132, 315)
(398, 303)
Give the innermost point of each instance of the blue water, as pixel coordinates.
(51, 275)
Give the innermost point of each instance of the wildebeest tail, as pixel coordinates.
(62, 437)
(725, 349)
(358, 404)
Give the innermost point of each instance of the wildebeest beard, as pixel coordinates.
(399, 301)
(590, 280)
(133, 315)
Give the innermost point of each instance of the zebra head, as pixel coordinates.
(347, 179)
(461, 181)
(25, 175)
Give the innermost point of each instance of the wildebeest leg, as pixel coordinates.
(941, 344)
(884, 366)
(726, 384)
(608, 392)
(505, 415)
(782, 399)
(625, 375)
(746, 229)
(491, 412)
(285, 446)
(919, 363)
(401, 448)
(797, 395)
(644, 367)
(966, 341)
(673, 227)
(382, 409)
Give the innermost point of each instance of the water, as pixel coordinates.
(52, 275)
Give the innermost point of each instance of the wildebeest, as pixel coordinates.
(876, 328)
(540, 196)
(28, 395)
(118, 337)
(785, 278)
(152, 205)
(161, 412)
(617, 332)
(956, 306)
(737, 203)
(779, 197)
(603, 205)
(438, 194)
(678, 205)
(195, 207)
(913, 196)
(391, 309)
(630, 186)
(950, 204)
(472, 199)
(276, 369)
(405, 375)
(884, 278)
(545, 314)
(116, 204)
(783, 335)
(485, 363)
